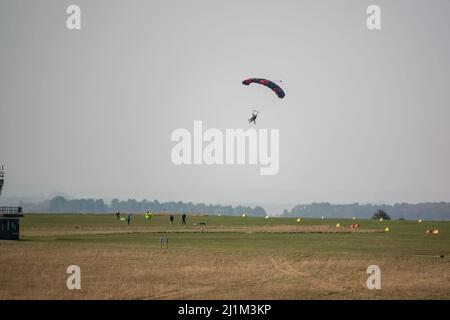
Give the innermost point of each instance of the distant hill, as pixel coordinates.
(426, 210)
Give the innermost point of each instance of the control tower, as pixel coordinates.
(9, 216)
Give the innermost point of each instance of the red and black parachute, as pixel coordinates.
(275, 88)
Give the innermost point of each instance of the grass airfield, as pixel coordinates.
(230, 258)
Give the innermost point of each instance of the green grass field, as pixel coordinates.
(232, 257)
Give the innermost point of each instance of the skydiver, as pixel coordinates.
(253, 118)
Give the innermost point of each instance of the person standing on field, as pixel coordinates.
(183, 218)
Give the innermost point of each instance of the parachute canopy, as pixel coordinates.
(275, 88)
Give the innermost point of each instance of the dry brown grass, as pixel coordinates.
(197, 229)
(37, 271)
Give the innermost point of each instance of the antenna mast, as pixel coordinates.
(2, 177)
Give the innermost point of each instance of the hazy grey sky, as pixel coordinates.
(90, 112)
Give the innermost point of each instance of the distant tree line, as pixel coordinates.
(426, 210)
(62, 205)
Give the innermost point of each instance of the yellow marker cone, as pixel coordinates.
(338, 225)
(436, 231)
(299, 219)
(420, 221)
(381, 219)
(386, 229)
